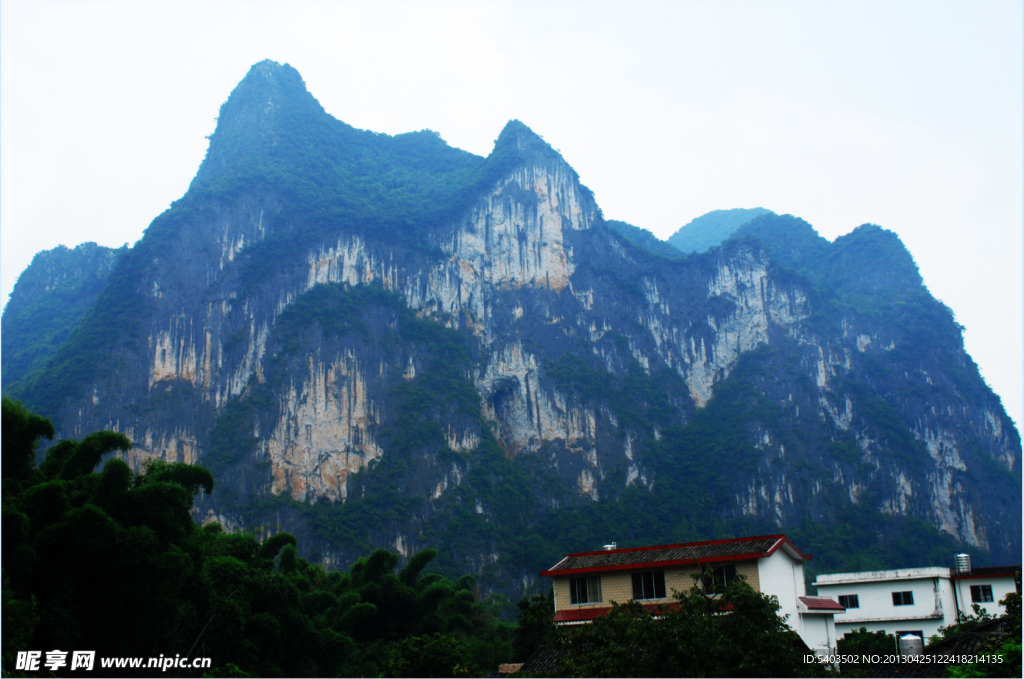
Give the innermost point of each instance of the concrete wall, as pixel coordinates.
(933, 605)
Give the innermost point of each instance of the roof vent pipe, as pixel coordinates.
(610, 547)
(963, 564)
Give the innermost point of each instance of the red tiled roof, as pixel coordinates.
(708, 552)
(821, 604)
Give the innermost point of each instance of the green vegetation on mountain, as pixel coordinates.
(642, 238)
(51, 298)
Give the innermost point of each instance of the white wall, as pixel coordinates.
(934, 602)
(1000, 588)
(816, 633)
(933, 605)
(782, 576)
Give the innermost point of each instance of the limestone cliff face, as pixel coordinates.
(587, 359)
(324, 432)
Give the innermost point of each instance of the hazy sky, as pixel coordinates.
(902, 114)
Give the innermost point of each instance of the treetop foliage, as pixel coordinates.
(112, 561)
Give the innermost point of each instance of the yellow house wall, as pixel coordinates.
(617, 586)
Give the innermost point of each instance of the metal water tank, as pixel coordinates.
(911, 644)
(963, 564)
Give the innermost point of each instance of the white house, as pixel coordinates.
(587, 583)
(915, 600)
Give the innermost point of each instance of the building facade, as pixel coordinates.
(915, 600)
(587, 583)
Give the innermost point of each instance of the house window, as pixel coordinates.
(981, 593)
(720, 578)
(650, 585)
(585, 590)
(849, 601)
(902, 598)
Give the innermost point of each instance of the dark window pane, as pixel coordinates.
(650, 585)
(902, 598)
(578, 591)
(981, 593)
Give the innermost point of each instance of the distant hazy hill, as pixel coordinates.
(707, 231)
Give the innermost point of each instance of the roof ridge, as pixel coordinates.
(683, 545)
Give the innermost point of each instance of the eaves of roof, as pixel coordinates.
(619, 559)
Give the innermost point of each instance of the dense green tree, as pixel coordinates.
(112, 561)
(536, 625)
(434, 655)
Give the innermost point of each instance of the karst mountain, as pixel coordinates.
(384, 341)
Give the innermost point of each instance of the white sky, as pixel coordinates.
(904, 114)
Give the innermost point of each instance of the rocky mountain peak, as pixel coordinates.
(269, 103)
(516, 139)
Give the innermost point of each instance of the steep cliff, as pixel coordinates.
(378, 340)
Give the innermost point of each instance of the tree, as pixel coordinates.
(434, 655)
(536, 624)
(862, 642)
(1001, 652)
(964, 623)
(113, 561)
